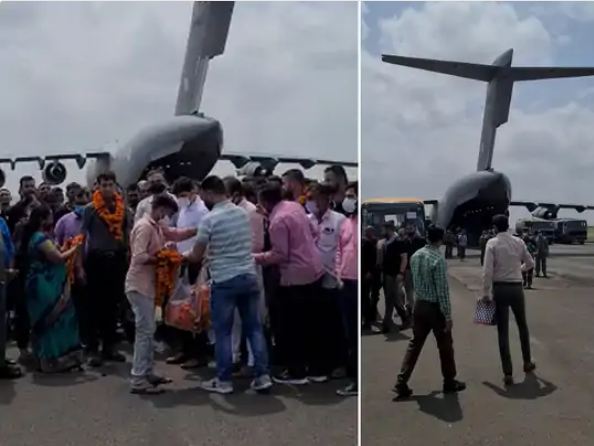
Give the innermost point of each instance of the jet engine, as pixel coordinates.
(54, 173)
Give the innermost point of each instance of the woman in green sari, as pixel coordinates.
(54, 327)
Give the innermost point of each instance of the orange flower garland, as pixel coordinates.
(71, 261)
(168, 262)
(113, 220)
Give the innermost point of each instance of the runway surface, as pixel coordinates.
(553, 408)
(91, 409)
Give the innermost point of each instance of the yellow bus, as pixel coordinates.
(402, 211)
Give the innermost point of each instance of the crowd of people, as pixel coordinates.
(278, 256)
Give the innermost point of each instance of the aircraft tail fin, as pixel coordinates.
(466, 70)
(208, 34)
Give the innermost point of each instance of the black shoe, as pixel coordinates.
(113, 356)
(453, 386)
(529, 367)
(94, 360)
(403, 391)
(177, 359)
(508, 380)
(350, 390)
(286, 378)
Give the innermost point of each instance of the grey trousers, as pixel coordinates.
(394, 299)
(511, 296)
(541, 265)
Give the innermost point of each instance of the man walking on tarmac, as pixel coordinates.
(542, 252)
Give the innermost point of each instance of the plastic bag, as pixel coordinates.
(188, 309)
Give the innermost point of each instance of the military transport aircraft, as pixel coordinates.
(187, 144)
(473, 200)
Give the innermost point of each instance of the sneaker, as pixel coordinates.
(339, 373)
(145, 388)
(529, 367)
(157, 380)
(318, 379)
(350, 390)
(286, 378)
(402, 390)
(177, 359)
(216, 386)
(261, 383)
(453, 386)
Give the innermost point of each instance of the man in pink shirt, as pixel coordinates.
(293, 249)
(147, 238)
(346, 268)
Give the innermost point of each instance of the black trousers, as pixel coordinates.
(79, 299)
(527, 277)
(106, 273)
(3, 324)
(17, 301)
(348, 305)
(462, 252)
(428, 317)
(332, 343)
(370, 298)
(541, 265)
(301, 329)
(511, 296)
(271, 276)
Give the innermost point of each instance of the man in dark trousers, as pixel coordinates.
(106, 226)
(432, 313)
(505, 258)
(371, 278)
(394, 268)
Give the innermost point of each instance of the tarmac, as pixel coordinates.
(553, 407)
(96, 408)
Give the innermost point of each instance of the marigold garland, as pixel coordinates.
(71, 261)
(113, 220)
(168, 262)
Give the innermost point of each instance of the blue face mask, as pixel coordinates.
(78, 209)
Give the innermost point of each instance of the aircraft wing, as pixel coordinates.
(535, 73)
(241, 159)
(80, 159)
(460, 69)
(531, 206)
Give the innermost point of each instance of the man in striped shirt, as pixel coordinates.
(432, 312)
(227, 234)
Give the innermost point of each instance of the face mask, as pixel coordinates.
(349, 205)
(78, 209)
(183, 202)
(311, 207)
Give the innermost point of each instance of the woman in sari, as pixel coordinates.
(54, 327)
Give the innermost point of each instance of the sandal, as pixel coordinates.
(10, 371)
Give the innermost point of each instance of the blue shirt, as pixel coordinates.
(227, 232)
(8, 245)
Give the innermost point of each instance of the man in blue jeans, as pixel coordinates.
(226, 232)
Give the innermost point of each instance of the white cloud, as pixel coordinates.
(78, 75)
(421, 130)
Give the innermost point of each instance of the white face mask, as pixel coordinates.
(349, 205)
(183, 202)
(311, 207)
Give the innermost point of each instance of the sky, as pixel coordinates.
(421, 130)
(81, 76)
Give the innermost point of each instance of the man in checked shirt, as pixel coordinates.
(432, 312)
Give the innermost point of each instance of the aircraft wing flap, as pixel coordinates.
(460, 69)
(240, 159)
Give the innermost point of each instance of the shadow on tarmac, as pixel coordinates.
(531, 388)
(447, 408)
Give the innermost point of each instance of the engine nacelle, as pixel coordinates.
(54, 173)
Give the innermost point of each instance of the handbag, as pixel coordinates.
(484, 313)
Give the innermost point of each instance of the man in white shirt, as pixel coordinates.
(505, 257)
(328, 223)
(191, 212)
(156, 184)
